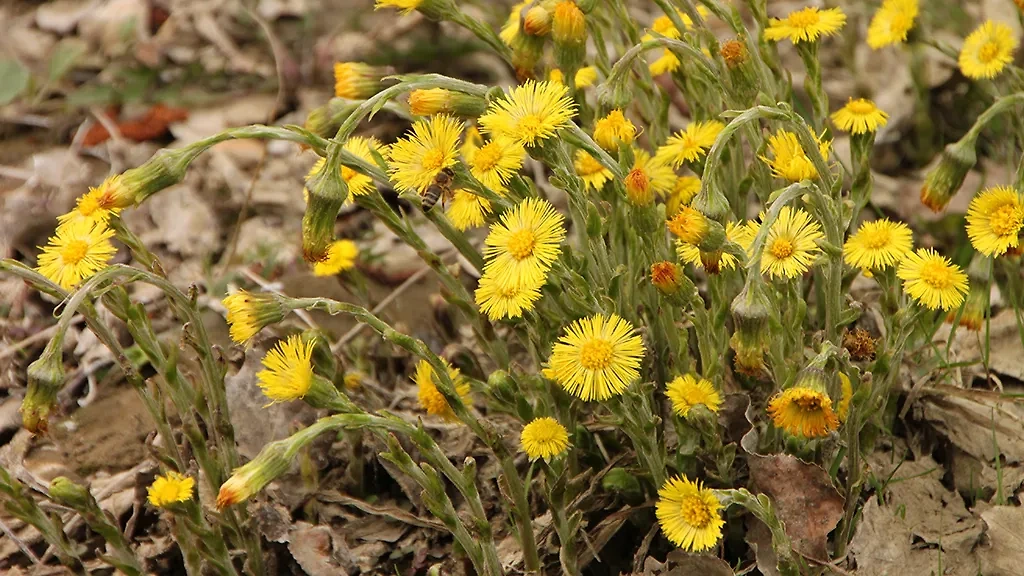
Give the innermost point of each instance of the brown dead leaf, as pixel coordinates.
(319, 551)
(975, 421)
(1003, 554)
(807, 502)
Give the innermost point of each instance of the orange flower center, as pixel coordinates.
(808, 403)
(433, 160)
(804, 18)
(937, 275)
(988, 51)
(695, 512)
(781, 248)
(530, 127)
(73, 252)
(487, 157)
(521, 244)
(876, 239)
(596, 354)
(1006, 220)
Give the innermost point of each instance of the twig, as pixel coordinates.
(14, 538)
(38, 336)
(419, 274)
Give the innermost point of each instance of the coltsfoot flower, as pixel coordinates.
(614, 130)
(249, 313)
(791, 246)
(430, 397)
(683, 192)
(987, 50)
(994, 220)
(467, 210)
(288, 370)
(532, 112)
(597, 357)
(686, 391)
(665, 276)
(689, 514)
(341, 256)
(803, 411)
(806, 25)
(494, 163)
(593, 173)
(356, 80)
(789, 161)
(689, 225)
(77, 250)
(416, 160)
(878, 245)
(499, 300)
(99, 203)
(892, 22)
(585, 77)
(734, 232)
(169, 489)
(544, 438)
(521, 248)
(859, 116)
(932, 280)
(690, 144)
(647, 178)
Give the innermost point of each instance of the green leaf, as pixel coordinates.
(13, 80)
(65, 55)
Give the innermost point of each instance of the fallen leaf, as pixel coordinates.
(976, 421)
(1003, 554)
(319, 551)
(152, 125)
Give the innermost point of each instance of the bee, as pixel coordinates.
(440, 189)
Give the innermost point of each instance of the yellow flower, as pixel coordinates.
(613, 130)
(791, 246)
(467, 210)
(431, 398)
(665, 276)
(510, 31)
(859, 116)
(100, 203)
(892, 22)
(585, 76)
(353, 380)
(568, 24)
(987, 50)
(683, 192)
(532, 112)
(495, 162)
(288, 370)
(544, 438)
(499, 300)
(803, 411)
(170, 488)
(428, 101)
(689, 514)
(647, 178)
(356, 80)
(597, 357)
(685, 392)
(738, 233)
(878, 245)
(994, 220)
(78, 249)
(689, 225)
(416, 160)
(691, 144)
(843, 410)
(933, 280)
(471, 142)
(249, 313)
(406, 6)
(805, 25)
(789, 161)
(664, 64)
(663, 25)
(521, 248)
(341, 256)
(593, 173)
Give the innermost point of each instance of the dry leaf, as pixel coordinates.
(975, 421)
(1004, 553)
(319, 551)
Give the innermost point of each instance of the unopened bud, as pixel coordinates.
(325, 120)
(249, 313)
(270, 463)
(943, 182)
(45, 379)
(751, 311)
(614, 130)
(569, 25)
(165, 169)
(327, 194)
(438, 100)
(537, 21)
(66, 493)
(358, 81)
(665, 276)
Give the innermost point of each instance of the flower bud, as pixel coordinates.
(740, 70)
(638, 187)
(66, 493)
(247, 480)
(324, 363)
(526, 52)
(165, 169)
(438, 100)
(325, 120)
(45, 379)
(614, 130)
(327, 194)
(943, 181)
(569, 25)
(358, 81)
(537, 21)
(689, 225)
(665, 276)
(751, 311)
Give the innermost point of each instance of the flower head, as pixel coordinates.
(100, 203)
(585, 76)
(690, 144)
(495, 162)
(738, 233)
(665, 276)
(467, 210)
(288, 370)
(499, 300)
(593, 173)
(791, 246)
(803, 411)
(521, 248)
(356, 80)
(859, 116)
(972, 316)
(431, 398)
(683, 192)
(689, 225)
(169, 489)
(417, 159)
(341, 256)
(568, 25)
(878, 245)
(363, 148)
(597, 357)
(428, 101)
(892, 22)
(249, 313)
(994, 220)
(987, 50)
(933, 280)
(614, 130)
(945, 179)
(685, 392)
(789, 161)
(532, 112)
(664, 64)
(544, 438)
(647, 178)
(806, 25)
(689, 514)
(76, 251)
